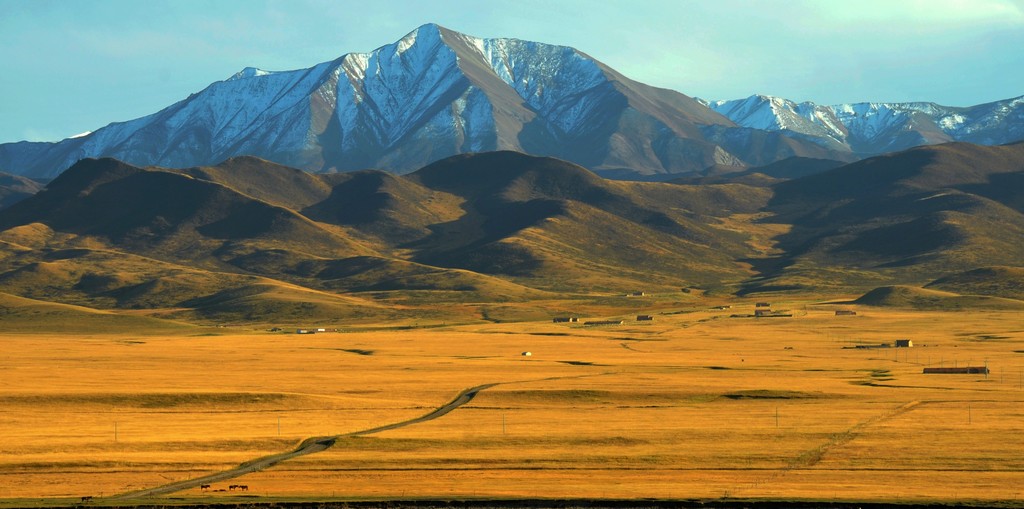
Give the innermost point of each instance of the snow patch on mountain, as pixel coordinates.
(550, 79)
(777, 114)
(249, 72)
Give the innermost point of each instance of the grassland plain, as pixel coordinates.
(696, 404)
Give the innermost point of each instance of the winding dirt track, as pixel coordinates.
(308, 446)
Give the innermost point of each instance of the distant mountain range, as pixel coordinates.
(437, 93)
(868, 129)
(253, 240)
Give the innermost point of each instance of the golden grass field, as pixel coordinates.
(695, 404)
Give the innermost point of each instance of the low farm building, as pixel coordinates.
(644, 318)
(565, 319)
(767, 313)
(966, 370)
(904, 343)
(868, 347)
(603, 322)
(763, 305)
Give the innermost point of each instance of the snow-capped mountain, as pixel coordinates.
(432, 94)
(436, 93)
(874, 128)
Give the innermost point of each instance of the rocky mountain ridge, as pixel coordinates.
(876, 128)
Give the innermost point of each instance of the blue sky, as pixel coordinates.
(71, 66)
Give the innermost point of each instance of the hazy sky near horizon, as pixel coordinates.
(74, 66)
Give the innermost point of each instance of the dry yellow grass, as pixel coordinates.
(695, 404)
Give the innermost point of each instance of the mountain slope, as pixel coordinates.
(263, 180)
(14, 188)
(40, 316)
(551, 222)
(1007, 282)
(906, 217)
(920, 298)
(168, 214)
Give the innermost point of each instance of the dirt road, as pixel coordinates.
(308, 446)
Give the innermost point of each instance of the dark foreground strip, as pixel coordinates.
(575, 503)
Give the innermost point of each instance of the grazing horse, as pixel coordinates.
(232, 487)
(86, 499)
(243, 487)
(204, 487)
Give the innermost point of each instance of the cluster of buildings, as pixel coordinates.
(573, 319)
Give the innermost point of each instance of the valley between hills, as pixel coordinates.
(741, 344)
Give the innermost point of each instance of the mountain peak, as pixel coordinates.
(249, 72)
(428, 34)
(430, 28)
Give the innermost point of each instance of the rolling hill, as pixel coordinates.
(996, 281)
(253, 240)
(907, 217)
(922, 298)
(489, 227)
(14, 188)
